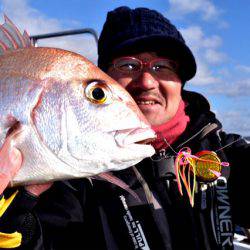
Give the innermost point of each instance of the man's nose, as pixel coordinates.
(146, 81)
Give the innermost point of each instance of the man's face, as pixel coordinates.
(157, 94)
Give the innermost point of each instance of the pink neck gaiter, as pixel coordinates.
(172, 129)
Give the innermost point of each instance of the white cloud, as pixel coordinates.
(224, 72)
(243, 68)
(206, 52)
(223, 79)
(214, 57)
(196, 38)
(212, 42)
(193, 36)
(205, 8)
(35, 22)
(235, 121)
(238, 88)
(29, 18)
(204, 76)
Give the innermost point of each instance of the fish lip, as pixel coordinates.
(146, 141)
(137, 135)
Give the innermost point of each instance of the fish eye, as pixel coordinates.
(98, 92)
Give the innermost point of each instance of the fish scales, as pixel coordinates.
(67, 117)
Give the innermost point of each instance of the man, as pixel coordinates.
(147, 55)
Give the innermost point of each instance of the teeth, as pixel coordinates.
(146, 102)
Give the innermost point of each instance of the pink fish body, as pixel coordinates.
(67, 117)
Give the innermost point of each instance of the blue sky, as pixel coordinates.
(217, 32)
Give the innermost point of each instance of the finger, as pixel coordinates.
(4, 181)
(10, 162)
(15, 160)
(38, 189)
(4, 169)
(4, 151)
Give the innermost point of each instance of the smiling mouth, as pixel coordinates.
(146, 102)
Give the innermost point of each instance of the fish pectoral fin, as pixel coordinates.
(109, 177)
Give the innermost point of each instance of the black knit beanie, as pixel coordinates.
(127, 31)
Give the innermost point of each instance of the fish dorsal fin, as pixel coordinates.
(11, 38)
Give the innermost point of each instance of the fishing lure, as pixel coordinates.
(205, 165)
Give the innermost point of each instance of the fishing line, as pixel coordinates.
(219, 149)
(229, 144)
(165, 140)
(161, 153)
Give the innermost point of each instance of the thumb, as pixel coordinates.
(10, 162)
(15, 159)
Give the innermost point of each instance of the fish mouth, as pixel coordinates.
(146, 141)
(134, 136)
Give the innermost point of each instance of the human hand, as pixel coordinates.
(10, 163)
(38, 189)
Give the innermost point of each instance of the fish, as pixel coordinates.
(67, 117)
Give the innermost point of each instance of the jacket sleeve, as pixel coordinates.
(237, 150)
(54, 220)
(18, 217)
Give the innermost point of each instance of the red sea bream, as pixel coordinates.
(67, 117)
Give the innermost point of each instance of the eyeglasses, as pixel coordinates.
(131, 66)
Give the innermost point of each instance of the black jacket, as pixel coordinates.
(83, 214)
